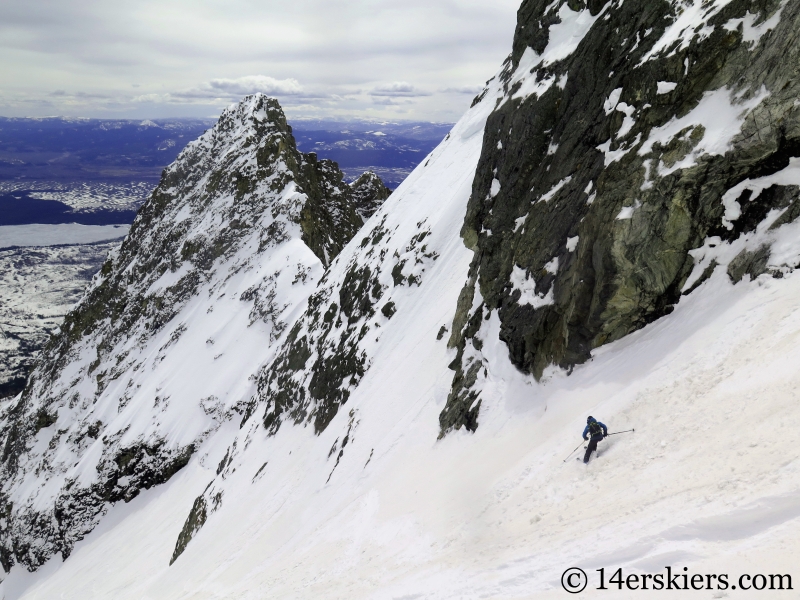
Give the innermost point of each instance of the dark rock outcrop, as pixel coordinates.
(368, 194)
(604, 166)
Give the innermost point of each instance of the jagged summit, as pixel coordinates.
(232, 241)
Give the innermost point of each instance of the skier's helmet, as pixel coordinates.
(590, 419)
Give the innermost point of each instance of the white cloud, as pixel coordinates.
(257, 83)
(471, 90)
(398, 89)
(389, 101)
(233, 89)
(144, 98)
(334, 57)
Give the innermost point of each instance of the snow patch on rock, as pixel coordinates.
(564, 39)
(721, 118)
(752, 33)
(733, 210)
(665, 87)
(526, 285)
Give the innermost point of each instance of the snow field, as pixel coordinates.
(708, 481)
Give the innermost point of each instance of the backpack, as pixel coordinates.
(594, 428)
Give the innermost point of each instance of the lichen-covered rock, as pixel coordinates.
(631, 133)
(330, 216)
(149, 364)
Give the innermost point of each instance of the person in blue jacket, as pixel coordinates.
(597, 431)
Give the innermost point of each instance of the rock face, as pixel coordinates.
(636, 145)
(368, 194)
(327, 351)
(148, 365)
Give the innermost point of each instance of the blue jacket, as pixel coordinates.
(586, 431)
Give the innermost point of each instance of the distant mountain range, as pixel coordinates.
(61, 149)
(392, 150)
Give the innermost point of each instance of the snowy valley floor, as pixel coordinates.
(708, 481)
(43, 272)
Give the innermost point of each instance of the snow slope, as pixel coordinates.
(709, 480)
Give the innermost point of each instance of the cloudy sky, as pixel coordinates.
(400, 59)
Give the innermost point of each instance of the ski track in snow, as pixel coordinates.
(709, 480)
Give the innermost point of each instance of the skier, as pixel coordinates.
(598, 431)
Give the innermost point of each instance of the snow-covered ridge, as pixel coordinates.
(156, 356)
(386, 279)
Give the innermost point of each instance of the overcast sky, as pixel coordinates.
(399, 59)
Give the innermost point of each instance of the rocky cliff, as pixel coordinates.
(369, 194)
(636, 145)
(230, 243)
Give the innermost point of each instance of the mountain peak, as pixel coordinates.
(230, 243)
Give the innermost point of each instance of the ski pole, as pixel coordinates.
(618, 432)
(573, 452)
